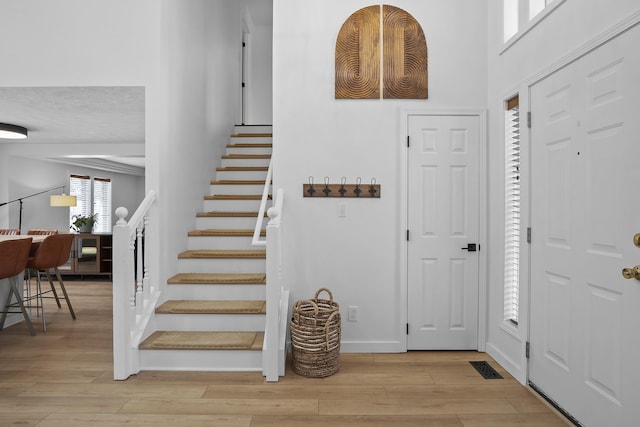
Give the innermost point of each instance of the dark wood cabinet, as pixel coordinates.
(90, 254)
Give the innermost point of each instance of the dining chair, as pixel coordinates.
(9, 231)
(13, 260)
(53, 252)
(41, 232)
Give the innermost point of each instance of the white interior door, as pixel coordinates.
(585, 316)
(443, 211)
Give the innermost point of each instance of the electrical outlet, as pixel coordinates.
(352, 315)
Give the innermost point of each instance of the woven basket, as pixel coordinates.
(316, 348)
(316, 311)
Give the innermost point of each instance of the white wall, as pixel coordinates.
(357, 257)
(74, 43)
(199, 90)
(127, 191)
(259, 90)
(185, 54)
(568, 28)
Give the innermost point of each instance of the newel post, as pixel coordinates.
(123, 282)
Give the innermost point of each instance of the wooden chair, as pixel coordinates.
(41, 232)
(14, 255)
(9, 231)
(53, 252)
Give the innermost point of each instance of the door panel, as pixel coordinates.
(443, 187)
(585, 167)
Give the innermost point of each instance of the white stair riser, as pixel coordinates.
(232, 205)
(245, 162)
(200, 360)
(222, 266)
(210, 322)
(214, 292)
(250, 140)
(241, 175)
(219, 242)
(248, 150)
(228, 222)
(236, 189)
(252, 129)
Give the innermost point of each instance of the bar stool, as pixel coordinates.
(13, 260)
(36, 232)
(53, 252)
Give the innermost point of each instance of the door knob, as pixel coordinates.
(636, 239)
(631, 273)
(471, 247)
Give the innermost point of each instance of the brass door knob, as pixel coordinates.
(631, 273)
(636, 239)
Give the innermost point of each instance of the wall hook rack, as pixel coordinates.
(342, 190)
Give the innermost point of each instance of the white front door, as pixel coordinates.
(585, 317)
(443, 210)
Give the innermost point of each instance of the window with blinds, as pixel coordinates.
(93, 197)
(102, 204)
(512, 210)
(80, 186)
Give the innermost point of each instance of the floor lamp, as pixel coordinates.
(55, 200)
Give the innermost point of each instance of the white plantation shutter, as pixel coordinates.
(91, 202)
(512, 211)
(80, 186)
(102, 204)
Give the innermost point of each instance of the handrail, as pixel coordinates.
(134, 293)
(263, 207)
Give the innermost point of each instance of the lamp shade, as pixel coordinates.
(8, 131)
(62, 200)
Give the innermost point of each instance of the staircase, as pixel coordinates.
(213, 314)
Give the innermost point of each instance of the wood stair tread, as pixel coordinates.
(223, 254)
(242, 169)
(222, 214)
(213, 307)
(252, 135)
(245, 156)
(203, 340)
(218, 279)
(236, 182)
(235, 197)
(223, 232)
(250, 145)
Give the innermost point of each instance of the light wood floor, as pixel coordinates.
(64, 378)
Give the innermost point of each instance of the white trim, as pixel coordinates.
(373, 346)
(529, 25)
(482, 217)
(607, 35)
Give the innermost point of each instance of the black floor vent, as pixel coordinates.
(486, 370)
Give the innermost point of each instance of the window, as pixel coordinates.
(512, 210)
(91, 202)
(102, 204)
(520, 16)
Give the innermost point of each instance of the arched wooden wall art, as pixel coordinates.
(381, 51)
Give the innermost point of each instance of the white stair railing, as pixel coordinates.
(275, 331)
(256, 241)
(275, 334)
(134, 294)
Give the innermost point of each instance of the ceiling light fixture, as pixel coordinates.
(8, 131)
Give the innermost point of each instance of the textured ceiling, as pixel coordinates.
(79, 115)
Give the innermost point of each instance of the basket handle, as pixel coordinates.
(296, 311)
(326, 327)
(325, 290)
